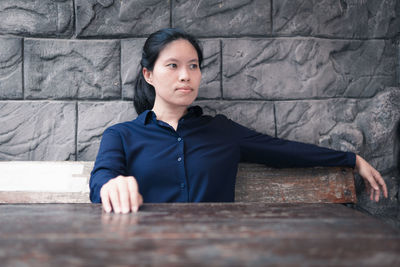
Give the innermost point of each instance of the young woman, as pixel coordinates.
(173, 153)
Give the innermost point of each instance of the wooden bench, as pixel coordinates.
(67, 182)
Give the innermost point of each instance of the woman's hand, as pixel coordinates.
(121, 194)
(372, 178)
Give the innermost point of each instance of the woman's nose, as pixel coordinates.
(184, 75)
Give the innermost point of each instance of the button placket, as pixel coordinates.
(181, 166)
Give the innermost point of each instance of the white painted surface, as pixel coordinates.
(45, 176)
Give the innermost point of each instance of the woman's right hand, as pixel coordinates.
(121, 194)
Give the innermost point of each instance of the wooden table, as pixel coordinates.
(235, 234)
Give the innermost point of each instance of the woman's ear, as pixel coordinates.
(147, 74)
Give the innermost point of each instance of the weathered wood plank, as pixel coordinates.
(45, 181)
(43, 197)
(67, 182)
(258, 183)
(188, 234)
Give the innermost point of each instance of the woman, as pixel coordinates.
(173, 153)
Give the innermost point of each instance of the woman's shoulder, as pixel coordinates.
(122, 126)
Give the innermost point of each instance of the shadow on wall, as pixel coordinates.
(397, 147)
(397, 160)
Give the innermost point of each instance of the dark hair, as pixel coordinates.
(144, 93)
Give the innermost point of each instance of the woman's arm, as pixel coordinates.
(374, 182)
(261, 148)
(109, 181)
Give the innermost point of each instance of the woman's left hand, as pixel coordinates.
(374, 182)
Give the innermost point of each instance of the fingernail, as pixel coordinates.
(135, 208)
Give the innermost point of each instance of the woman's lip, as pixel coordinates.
(184, 89)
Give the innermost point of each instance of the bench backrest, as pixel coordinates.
(67, 182)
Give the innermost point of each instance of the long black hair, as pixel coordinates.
(144, 93)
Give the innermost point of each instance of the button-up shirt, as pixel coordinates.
(198, 162)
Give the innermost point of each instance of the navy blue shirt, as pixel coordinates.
(198, 162)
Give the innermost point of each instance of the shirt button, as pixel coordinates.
(179, 139)
(179, 159)
(182, 185)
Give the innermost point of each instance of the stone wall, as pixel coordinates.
(318, 71)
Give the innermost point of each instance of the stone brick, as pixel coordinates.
(298, 68)
(121, 18)
(37, 18)
(223, 18)
(94, 118)
(10, 68)
(258, 116)
(366, 126)
(62, 69)
(39, 130)
(210, 86)
(346, 19)
(329, 123)
(131, 54)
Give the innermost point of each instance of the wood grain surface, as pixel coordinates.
(206, 234)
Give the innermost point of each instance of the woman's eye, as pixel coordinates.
(172, 65)
(194, 66)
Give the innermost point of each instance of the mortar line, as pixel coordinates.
(23, 67)
(120, 70)
(271, 16)
(74, 33)
(274, 112)
(76, 130)
(170, 13)
(220, 70)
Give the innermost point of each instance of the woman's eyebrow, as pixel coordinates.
(176, 60)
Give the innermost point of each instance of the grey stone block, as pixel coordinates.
(378, 122)
(223, 18)
(94, 118)
(330, 123)
(365, 126)
(62, 69)
(38, 130)
(210, 86)
(10, 68)
(121, 18)
(131, 54)
(256, 115)
(37, 18)
(298, 68)
(346, 18)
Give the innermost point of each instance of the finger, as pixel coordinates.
(105, 199)
(377, 193)
(114, 197)
(371, 193)
(381, 182)
(123, 195)
(133, 193)
(140, 200)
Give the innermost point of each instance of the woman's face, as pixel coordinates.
(176, 75)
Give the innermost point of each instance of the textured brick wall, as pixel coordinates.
(318, 71)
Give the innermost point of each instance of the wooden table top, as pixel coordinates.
(206, 234)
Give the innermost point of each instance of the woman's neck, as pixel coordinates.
(170, 116)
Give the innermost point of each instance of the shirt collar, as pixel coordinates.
(194, 111)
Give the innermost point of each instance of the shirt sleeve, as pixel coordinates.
(279, 153)
(110, 163)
